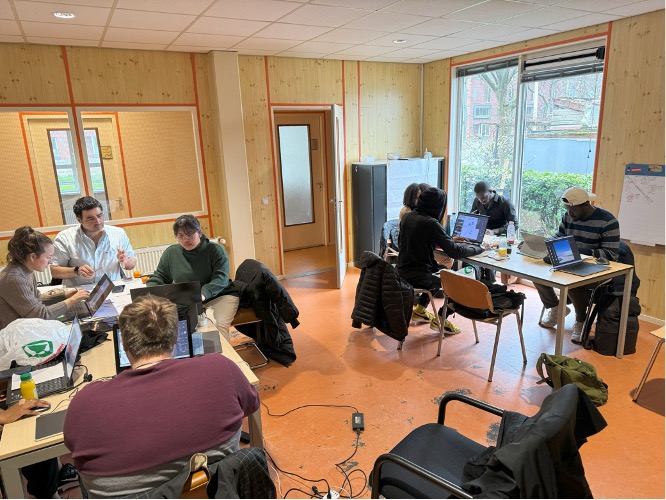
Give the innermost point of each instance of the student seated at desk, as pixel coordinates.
(410, 198)
(29, 251)
(499, 209)
(196, 258)
(597, 233)
(138, 430)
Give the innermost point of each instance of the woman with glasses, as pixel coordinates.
(29, 251)
(196, 258)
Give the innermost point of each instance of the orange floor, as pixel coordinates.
(309, 259)
(399, 390)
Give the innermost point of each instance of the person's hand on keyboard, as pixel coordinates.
(460, 239)
(78, 296)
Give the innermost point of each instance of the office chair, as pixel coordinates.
(534, 457)
(470, 293)
(659, 333)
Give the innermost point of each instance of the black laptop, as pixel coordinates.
(471, 226)
(67, 361)
(88, 308)
(565, 256)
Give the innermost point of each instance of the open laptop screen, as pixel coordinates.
(72, 349)
(471, 226)
(99, 293)
(182, 349)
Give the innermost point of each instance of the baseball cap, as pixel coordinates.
(577, 196)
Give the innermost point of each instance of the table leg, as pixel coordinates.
(11, 477)
(561, 315)
(254, 428)
(624, 313)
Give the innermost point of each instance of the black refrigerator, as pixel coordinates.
(377, 191)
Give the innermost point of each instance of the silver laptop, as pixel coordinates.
(533, 245)
(564, 256)
(88, 308)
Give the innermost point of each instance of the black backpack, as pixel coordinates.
(502, 298)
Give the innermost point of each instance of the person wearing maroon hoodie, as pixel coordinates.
(139, 429)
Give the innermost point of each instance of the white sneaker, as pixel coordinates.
(577, 334)
(550, 317)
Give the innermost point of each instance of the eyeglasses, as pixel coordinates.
(185, 236)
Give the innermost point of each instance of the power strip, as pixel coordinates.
(332, 494)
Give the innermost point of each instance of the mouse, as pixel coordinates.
(602, 260)
(41, 409)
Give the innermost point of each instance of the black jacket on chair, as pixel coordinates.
(383, 300)
(272, 304)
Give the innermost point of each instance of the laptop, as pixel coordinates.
(182, 349)
(565, 256)
(471, 226)
(88, 308)
(533, 245)
(67, 362)
(186, 295)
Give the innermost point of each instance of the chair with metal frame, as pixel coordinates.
(246, 316)
(659, 333)
(474, 294)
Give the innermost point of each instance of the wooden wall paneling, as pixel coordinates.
(436, 110)
(390, 109)
(157, 233)
(351, 110)
(16, 195)
(260, 160)
(126, 76)
(32, 74)
(632, 131)
(305, 81)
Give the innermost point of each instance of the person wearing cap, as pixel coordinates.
(499, 209)
(420, 232)
(597, 233)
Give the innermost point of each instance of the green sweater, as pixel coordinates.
(208, 264)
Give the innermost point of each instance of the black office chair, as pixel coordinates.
(535, 457)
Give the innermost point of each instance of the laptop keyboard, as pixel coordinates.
(43, 389)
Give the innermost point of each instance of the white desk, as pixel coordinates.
(18, 447)
(537, 271)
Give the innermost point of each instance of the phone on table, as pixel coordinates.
(118, 288)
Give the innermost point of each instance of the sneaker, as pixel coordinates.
(577, 334)
(420, 313)
(68, 477)
(450, 328)
(550, 319)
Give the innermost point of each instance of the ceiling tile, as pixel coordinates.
(87, 3)
(446, 43)
(252, 52)
(386, 58)
(365, 4)
(139, 36)
(319, 15)
(442, 27)
(581, 22)
(131, 45)
(33, 11)
(386, 21)
(5, 10)
(444, 54)
(258, 10)
(481, 45)
(192, 7)
(187, 48)
(545, 2)
(322, 47)
(595, 5)
(541, 17)
(308, 55)
(54, 30)
(63, 41)
(342, 35)
(220, 26)
(491, 31)
(213, 42)
(525, 35)
(291, 31)
(387, 40)
(493, 10)
(411, 52)
(276, 44)
(12, 39)
(638, 8)
(365, 51)
(8, 27)
(432, 8)
(149, 20)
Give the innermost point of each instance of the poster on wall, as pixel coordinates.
(642, 206)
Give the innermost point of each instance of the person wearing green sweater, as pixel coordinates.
(196, 258)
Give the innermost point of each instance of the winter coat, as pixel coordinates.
(383, 300)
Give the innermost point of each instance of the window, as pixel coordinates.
(296, 174)
(482, 111)
(483, 130)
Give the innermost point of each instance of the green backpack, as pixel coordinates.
(562, 370)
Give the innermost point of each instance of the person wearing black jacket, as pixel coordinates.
(420, 233)
(499, 209)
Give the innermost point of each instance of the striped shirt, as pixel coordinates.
(597, 235)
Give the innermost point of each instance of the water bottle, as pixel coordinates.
(452, 223)
(28, 387)
(511, 233)
(502, 251)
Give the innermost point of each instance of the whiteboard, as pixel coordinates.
(642, 206)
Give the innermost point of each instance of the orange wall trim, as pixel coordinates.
(201, 146)
(301, 105)
(122, 163)
(358, 82)
(601, 107)
(344, 179)
(32, 174)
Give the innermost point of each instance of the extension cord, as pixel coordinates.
(333, 494)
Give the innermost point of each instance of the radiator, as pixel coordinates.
(44, 278)
(147, 258)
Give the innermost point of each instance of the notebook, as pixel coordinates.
(88, 308)
(471, 226)
(565, 256)
(67, 363)
(533, 245)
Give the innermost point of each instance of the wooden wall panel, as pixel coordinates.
(390, 109)
(158, 233)
(125, 76)
(633, 131)
(16, 192)
(436, 99)
(305, 81)
(32, 74)
(260, 160)
(352, 136)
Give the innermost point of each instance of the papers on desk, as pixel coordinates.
(41, 375)
(106, 310)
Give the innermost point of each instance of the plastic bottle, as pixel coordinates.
(28, 387)
(427, 155)
(502, 249)
(511, 233)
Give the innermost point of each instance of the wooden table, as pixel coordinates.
(537, 271)
(18, 447)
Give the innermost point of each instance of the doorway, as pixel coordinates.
(304, 183)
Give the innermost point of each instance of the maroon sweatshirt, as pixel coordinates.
(158, 414)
